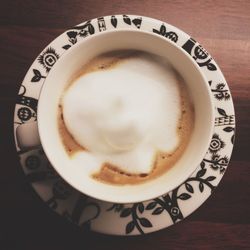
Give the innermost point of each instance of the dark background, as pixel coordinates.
(222, 27)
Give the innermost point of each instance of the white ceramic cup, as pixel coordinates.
(70, 63)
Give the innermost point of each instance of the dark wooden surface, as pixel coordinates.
(223, 27)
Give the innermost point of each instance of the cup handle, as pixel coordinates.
(27, 135)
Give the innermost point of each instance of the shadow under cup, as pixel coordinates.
(71, 62)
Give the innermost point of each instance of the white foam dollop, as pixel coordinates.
(125, 114)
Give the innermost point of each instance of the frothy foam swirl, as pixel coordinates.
(124, 115)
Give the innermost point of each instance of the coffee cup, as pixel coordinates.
(110, 46)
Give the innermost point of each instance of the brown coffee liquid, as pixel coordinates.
(163, 161)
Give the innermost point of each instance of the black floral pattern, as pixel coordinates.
(130, 21)
(81, 31)
(199, 54)
(137, 221)
(167, 203)
(37, 76)
(48, 58)
(114, 21)
(27, 107)
(168, 34)
(127, 20)
(220, 91)
(216, 144)
(218, 162)
(226, 120)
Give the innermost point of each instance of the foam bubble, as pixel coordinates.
(124, 114)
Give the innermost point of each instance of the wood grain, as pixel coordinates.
(222, 27)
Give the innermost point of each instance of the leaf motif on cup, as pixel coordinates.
(141, 207)
(67, 46)
(145, 222)
(189, 187)
(201, 187)
(201, 173)
(211, 66)
(210, 178)
(158, 210)
(184, 196)
(151, 205)
(130, 227)
(113, 21)
(37, 76)
(126, 212)
(163, 32)
(126, 19)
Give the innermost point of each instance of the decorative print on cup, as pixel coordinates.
(218, 162)
(60, 191)
(168, 34)
(39, 172)
(226, 120)
(137, 221)
(81, 204)
(82, 30)
(220, 93)
(114, 21)
(32, 162)
(101, 24)
(37, 76)
(72, 37)
(199, 54)
(36, 166)
(85, 29)
(38, 169)
(27, 110)
(135, 21)
(127, 20)
(48, 58)
(167, 203)
(216, 144)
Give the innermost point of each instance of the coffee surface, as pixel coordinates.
(127, 116)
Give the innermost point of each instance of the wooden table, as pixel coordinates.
(223, 27)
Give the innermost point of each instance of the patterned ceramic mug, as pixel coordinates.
(46, 128)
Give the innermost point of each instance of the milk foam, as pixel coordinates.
(124, 114)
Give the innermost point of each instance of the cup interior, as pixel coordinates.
(71, 62)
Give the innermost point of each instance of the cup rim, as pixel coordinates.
(49, 154)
